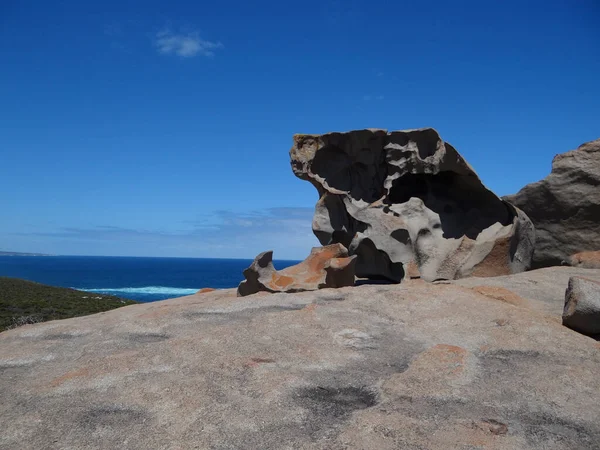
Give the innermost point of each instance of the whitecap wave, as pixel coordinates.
(145, 290)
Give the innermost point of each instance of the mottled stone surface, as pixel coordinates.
(418, 365)
(582, 306)
(542, 289)
(565, 206)
(325, 267)
(407, 200)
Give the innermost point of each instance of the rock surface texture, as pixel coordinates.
(542, 290)
(587, 260)
(412, 366)
(407, 199)
(325, 267)
(565, 206)
(582, 306)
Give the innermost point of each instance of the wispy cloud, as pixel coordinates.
(185, 45)
(227, 234)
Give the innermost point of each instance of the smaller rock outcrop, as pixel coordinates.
(565, 206)
(582, 306)
(325, 267)
(585, 260)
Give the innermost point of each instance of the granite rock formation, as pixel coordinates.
(406, 199)
(565, 206)
(325, 267)
(587, 260)
(582, 306)
(410, 366)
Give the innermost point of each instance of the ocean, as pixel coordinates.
(135, 278)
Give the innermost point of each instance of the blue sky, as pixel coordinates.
(164, 130)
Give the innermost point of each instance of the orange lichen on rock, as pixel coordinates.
(586, 260)
(83, 372)
(205, 290)
(502, 294)
(325, 267)
(451, 358)
(281, 281)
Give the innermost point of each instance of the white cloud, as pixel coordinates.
(185, 45)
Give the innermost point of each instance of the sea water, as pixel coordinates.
(136, 278)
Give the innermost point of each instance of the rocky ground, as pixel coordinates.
(472, 364)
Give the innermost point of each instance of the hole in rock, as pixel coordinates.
(340, 171)
(464, 205)
(426, 140)
(375, 264)
(401, 235)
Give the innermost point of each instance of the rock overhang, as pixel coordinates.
(375, 186)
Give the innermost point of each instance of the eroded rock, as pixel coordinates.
(407, 200)
(325, 267)
(565, 206)
(582, 306)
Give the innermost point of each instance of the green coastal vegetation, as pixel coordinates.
(23, 302)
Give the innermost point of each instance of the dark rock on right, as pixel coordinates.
(582, 306)
(565, 206)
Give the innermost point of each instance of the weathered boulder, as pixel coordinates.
(407, 199)
(325, 267)
(582, 306)
(587, 260)
(565, 206)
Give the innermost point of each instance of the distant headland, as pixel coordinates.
(22, 254)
